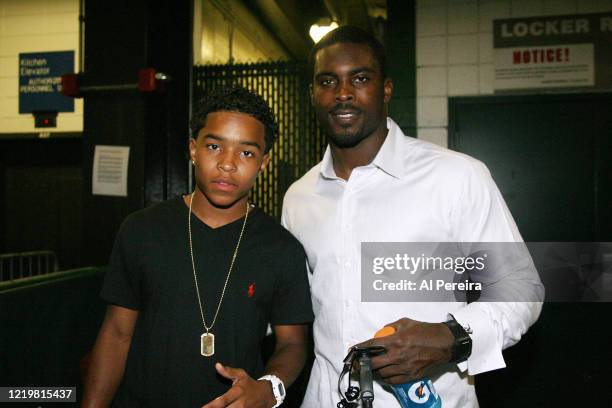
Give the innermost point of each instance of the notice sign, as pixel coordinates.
(553, 52)
(544, 67)
(110, 170)
(40, 81)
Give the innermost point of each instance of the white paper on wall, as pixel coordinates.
(110, 170)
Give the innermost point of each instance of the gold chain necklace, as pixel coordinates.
(207, 339)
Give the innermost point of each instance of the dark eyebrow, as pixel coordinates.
(363, 69)
(325, 73)
(253, 144)
(352, 72)
(222, 139)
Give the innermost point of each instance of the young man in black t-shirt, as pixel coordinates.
(194, 282)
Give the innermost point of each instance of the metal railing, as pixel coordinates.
(26, 264)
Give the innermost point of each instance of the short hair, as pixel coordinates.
(354, 35)
(235, 98)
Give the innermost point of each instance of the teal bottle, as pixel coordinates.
(417, 394)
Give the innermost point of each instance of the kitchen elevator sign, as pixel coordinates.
(40, 81)
(573, 51)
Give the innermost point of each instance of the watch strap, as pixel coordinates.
(278, 388)
(462, 347)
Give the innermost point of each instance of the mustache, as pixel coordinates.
(344, 108)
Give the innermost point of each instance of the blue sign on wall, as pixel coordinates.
(40, 80)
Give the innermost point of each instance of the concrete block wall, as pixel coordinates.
(34, 26)
(454, 46)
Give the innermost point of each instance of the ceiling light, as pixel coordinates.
(318, 30)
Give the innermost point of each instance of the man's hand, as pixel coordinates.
(245, 392)
(411, 350)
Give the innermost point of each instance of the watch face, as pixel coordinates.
(281, 389)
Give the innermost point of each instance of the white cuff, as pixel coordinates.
(486, 342)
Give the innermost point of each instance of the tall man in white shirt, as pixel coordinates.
(375, 184)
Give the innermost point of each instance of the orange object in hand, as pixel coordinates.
(385, 331)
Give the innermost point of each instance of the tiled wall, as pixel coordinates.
(455, 50)
(33, 26)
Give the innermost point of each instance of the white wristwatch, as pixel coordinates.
(278, 388)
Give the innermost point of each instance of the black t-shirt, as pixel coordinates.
(150, 271)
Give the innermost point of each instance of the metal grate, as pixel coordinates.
(26, 264)
(300, 144)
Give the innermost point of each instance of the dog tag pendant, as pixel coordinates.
(207, 344)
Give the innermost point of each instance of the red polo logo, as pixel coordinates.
(251, 291)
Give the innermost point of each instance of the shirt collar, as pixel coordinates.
(390, 157)
(327, 165)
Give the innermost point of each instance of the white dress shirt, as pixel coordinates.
(413, 191)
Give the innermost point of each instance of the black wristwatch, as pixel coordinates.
(462, 348)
